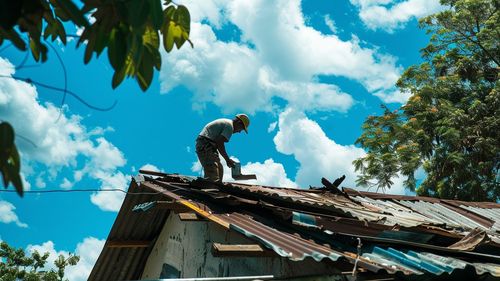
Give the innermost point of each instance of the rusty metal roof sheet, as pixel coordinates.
(493, 214)
(317, 224)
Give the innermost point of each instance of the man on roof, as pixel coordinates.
(211, 141)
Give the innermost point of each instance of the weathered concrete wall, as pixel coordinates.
(186, 246)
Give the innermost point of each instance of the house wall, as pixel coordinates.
(185, 246)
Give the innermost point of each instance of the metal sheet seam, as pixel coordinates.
(315, 255)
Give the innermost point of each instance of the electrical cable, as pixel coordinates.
(28, 80)
(61, 62)
(81, 190)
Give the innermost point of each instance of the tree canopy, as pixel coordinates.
(450, 126)
(18, 265)
(129, 30)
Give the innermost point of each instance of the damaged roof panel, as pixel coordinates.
(399, 234)
(493, 214)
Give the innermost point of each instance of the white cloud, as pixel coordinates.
(279, 57)
(39, 182)
(105, 156)
(272, 126)
(26, 184)
(268, 173)
(88, 250)
(62, 142)
(7, 214)
(390, 15)
(110, 200)
(47, 247)
(331, 24)
(150, 167)
(318, 155)
(66, 184)
(393, 96)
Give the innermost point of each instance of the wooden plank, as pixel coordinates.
(186, 203)
(127, 244)
(247, 250)
(190, 217)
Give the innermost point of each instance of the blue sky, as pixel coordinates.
(307, 72)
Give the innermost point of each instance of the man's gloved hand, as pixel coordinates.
(230, 163)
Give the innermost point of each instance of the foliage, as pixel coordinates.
(10, 163)
(16, 265)
(129, 29)
(449, 127)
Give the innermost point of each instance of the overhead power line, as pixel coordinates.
(81, 190)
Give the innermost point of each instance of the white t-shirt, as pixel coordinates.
(218, 127)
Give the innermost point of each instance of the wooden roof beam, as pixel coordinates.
(247, 250)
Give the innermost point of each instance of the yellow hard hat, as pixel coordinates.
(244, 119)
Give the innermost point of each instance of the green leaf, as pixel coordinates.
(14, 37)
(35, 51)
(14, 158)
(101, 41)
(137, 49)
(90, 47)
(168, 37)
(138, 11)
(61, 32)
(145, 75)
(156, 13)
(182, 18)
(15, 178)
(49, 31)
(118, 77)
(5, 175)
(72, 11)
(150, 37)
(117, 49)
(6, 136)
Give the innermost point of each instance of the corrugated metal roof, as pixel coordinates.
(126, 263)
(492, 214)
(317, 224)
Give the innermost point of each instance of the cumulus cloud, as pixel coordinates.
(390, 15)
(279, 56)
(395, 96)
(62, 142)
(88, 250)
(7, 214)
(112, 199)
(331, 24)
(318, 155)
(150, 167)
(272, 126)
(268, 173)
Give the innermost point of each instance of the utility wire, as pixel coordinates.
(28, 80)
(27, 140)
(23, 62)
(64, 90)
(5, 48)
(81, 190)
(65, 79)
